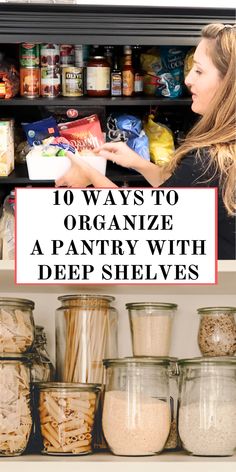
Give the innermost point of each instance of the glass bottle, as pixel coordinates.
(138, 75)
(16, 420)
(127, 73)
(136, 415)
(116, 80)
(98, 77)
(207, 405)
(42, 369)
(16, 325)
(217, 331)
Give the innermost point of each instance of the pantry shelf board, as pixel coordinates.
(105, 101)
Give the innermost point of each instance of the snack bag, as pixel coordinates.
(39, 130)
(136, 137)
(161, 142)
(188, 61)
(172, 74)
(84, 134)
(151, 65)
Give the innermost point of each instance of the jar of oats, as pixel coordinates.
(217, 331)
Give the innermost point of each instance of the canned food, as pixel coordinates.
(67, 55)
(50, 81)
(72, 81)
(29, 55)
(29, 82)
(81, 55)
(50, 55)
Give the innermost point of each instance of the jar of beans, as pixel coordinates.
(217, 331)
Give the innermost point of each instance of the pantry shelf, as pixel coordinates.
(104, 101)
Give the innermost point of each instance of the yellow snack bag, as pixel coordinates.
(161, 142)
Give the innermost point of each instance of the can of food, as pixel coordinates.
(50, 85)
(81, 55)
(29, 55)
(67, 55)
(49, 55)
(29, 82)
(72, 81)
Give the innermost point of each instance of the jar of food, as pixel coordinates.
(217, 331)
(151, 327)
(66, 414)
(16, 325)
(16, 420)
(136, 414)
(207, 405)
(98, 77)
(86, 333)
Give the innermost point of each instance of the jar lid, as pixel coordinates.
(216, 309)
(84, 296)
(22, 302)
(220, 360)
(147, 360)
(157, 305)
(6, 356)
(81, 387)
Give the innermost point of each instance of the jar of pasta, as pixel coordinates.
(67, 416)
(217, 331)
(136, 416)
(16, 325)
(15, 412)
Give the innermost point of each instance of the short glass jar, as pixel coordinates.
(98, 77)
(207, 405)
(86, 333)
(151, 327)
(15, 410)
(136, 414)
(66, 414)
(16, 325)
(217, 331)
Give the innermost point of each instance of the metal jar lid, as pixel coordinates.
(156, 305)
(76, 387)
(21, 302)
(214, 310)
(143, 360)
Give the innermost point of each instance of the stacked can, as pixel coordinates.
(29, 70)
(50, 70)
(72, 73)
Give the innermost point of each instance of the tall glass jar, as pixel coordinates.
(217, 331)
(136, 415)
(16, 325)
(15, 411)
(207, 405)
(86, 333)
(151, 327)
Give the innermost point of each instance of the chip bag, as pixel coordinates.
(84, 134)
(161, 142)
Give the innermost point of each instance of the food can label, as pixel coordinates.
(29, 55)
(29, 82)
(72, 81)
(50, 55)
(50, 81)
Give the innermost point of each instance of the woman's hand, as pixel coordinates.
(77, 175)
(119, 153)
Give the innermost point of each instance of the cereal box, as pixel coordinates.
(6, 147)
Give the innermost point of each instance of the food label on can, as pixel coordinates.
(50, 54)
(67, 54)
(29, 55)
(50, 81)
(72, 81)
(29, 82)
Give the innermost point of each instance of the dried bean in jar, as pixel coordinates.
(217, 331)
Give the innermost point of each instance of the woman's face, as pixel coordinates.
(203, 79)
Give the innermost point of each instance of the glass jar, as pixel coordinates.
(207, 405)
(217, 331)
(15, 412)
(136, 414)
(42, 369)
(151, 327)
(86, 333)
(98, 77)
(173, 440)
(66, 414)
(16, 325)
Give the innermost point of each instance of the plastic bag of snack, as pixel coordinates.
(39, 130)
(151, 65)
(135, 136)
(161, 142)
(172, 75)
(84, 134)
(9, 79)
(188, 61)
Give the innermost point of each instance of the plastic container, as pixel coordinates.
(16, 325)
(86, 333)
(151, 327)
(46, 168)
(16, 420)
(207, 405)
(66, 413)
(217, 331)
(136, 415)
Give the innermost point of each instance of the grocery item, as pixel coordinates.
(7, 228)
(161, 141)
(15, 414)
(131, 128)
(37, 131)
(67, 412)
(127, 73)
(98, 77)
(172, 76)
(50, 84)
(81, 55)
(217, 331)
(41, 367)
(6, 147)
(151, 327)
(29, 55)
(67, 55)
(30, 82)
(49, 55)
(188, 61)
(72, 81)
(16, 325)
(9, 80)
(83, 134)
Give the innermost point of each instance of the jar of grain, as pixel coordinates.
(151, 327)
(16, 325)
(217, 331)
(136, 414)
(207, 405)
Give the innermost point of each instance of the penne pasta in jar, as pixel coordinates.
(16, 325)
(67, 419)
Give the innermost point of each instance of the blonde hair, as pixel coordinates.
(216, 129)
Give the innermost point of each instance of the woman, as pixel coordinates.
(207, 157)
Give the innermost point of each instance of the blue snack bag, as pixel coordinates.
(39, 130)
(172, 75)
(135, 137)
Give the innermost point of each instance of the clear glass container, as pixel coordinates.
(86, 333)
(136, 414)
(217, 331)
(66, 414)
(15, 411)
(207, 406)
(151, 327)
(16, 325)
(173, 440)
(42, 369)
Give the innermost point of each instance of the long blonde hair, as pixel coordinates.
(216, 130)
